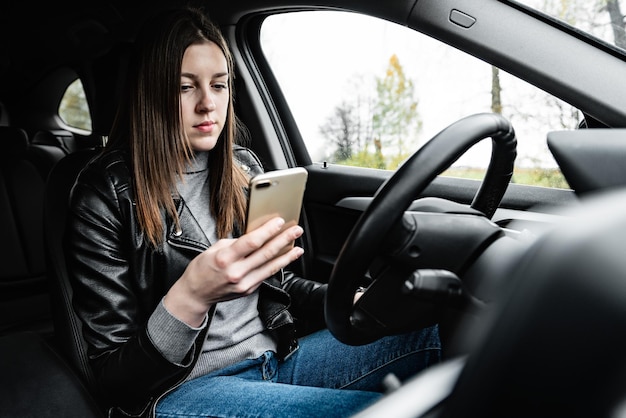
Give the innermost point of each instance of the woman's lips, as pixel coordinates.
(205, 127)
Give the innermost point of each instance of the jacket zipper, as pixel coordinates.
(198, 249)
(184, 246)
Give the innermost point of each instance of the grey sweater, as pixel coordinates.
(235, 332)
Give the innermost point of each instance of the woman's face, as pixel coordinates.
(204, 94)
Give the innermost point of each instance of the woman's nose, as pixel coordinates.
(206, 103)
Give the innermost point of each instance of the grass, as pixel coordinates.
(544, 177)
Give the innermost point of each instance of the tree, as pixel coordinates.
(342, 129)
(395, 121)
(348, 129)
(588, 15)
(617, 22)
(388, 123)
(496, 91)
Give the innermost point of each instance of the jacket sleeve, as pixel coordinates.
(307, 302)
(129, 369)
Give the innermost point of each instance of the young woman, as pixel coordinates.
(183, 315)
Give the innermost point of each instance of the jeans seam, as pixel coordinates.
(385, 364)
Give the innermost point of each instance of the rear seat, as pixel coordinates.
(24, 296)
(48, 147)
(55, 139)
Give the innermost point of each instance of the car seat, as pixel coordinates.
(67, 326)
(24, 299)
(47, 147)
(57, 138)
(37, 382)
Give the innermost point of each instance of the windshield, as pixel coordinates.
(601, 19)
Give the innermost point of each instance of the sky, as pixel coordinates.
(320, 61)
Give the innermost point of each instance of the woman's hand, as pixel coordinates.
(231, 268)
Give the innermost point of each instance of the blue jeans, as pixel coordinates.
(324, 378)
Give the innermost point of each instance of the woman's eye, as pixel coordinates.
(220, 86)
(185, 87)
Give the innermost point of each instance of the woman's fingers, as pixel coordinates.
(230, 251)
(236, 259)
(259, 239)
(189, 299)
(263, 271)
(273, 255)
(233, 268)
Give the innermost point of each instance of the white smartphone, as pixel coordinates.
(276, 193)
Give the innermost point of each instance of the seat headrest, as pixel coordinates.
(54, 137)
(58, 138)
(14, 141)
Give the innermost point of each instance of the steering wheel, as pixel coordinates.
(425, 247)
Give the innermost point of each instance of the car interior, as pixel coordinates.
(525, 281)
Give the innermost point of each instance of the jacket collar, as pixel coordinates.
(190, 233)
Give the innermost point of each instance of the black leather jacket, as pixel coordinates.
(118, 279)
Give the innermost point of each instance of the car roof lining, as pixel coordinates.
(103, 23)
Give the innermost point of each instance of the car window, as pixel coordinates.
(601, 19)
(74, 110)
(368, 92)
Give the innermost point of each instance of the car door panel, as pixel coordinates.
(336, 196)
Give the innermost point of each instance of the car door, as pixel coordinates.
(313, 85)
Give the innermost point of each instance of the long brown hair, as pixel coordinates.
(148, 122)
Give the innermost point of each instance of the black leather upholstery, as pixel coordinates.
(24, 301)
(47, 147)
(36, 382)
(58, 138)
(68, 329)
